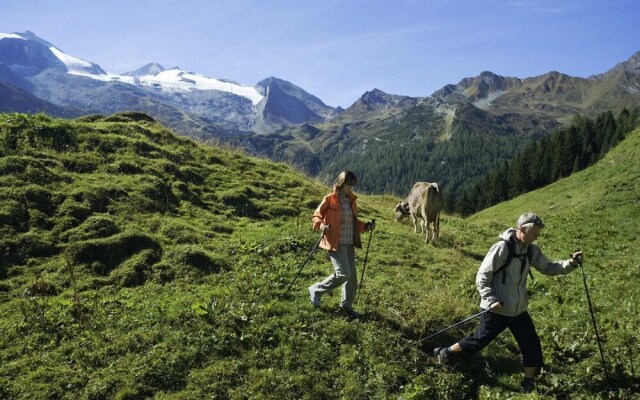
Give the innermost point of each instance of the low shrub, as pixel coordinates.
(123, 167)
(12, 165)
(39, 220)
(14, 214)
(162, 273)
(181, 232)
(90, 118)
(240, 203)
(103, 255)
(95, 227)
(136, 270)
(36, 244)
(277, 210)
(40, 132)
(17, 251)
(99, 198)
(191, 175)
(85, 163)
(188, 258)
(73, 209)
(134, 116)
(35, 197)
(157, 195)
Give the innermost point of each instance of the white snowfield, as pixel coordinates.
(72, 63)
(177, 80)
(10, 36)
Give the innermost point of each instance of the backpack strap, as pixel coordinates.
(511, 247)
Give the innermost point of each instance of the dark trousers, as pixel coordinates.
(522, 329)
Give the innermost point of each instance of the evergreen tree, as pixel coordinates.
(556, 156)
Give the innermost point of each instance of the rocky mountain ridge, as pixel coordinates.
(199, 106)
(447, 136)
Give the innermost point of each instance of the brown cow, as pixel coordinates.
(424, 201)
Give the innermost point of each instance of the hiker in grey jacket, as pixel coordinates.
(502, 283)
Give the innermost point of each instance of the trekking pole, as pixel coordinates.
(364, 265)
(457, 324)
(593, 319)
(305, 263)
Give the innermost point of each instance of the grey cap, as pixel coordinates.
(530, 218)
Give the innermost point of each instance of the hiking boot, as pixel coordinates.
(350, 313)
(442, 355)
(528, 385)
(313, 296)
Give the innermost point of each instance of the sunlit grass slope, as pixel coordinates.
(136, 264)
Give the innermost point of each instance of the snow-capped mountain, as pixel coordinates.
(190, 102)
(27, 54)
(155, 76)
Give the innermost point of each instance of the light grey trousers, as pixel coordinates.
(344, 266)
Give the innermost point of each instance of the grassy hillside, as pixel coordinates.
(136, 264)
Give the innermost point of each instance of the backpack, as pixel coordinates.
(511, 247)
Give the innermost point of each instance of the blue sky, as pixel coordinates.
(337, 50)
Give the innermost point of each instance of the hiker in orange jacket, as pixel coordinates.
(337, 218)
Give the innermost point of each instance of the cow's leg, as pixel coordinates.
(415, 222)
(428, 229)
(436, 228)
(425, 223)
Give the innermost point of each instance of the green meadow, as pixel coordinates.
(138, 264)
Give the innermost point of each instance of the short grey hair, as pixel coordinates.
(529, 220)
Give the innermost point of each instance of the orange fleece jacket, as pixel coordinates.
(330, 212)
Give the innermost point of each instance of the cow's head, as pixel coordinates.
(402, 210)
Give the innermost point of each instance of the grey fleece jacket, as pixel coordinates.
(513, 293)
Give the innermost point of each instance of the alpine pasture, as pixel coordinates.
(139, 264)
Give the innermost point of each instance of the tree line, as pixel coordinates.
(545, 161)
(478, 165)
(465, 156)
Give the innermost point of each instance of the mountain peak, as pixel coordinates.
(373, 94)
(280, 83)
(484, 87)
(286, 103)
(375, 97)
(375, 103)
(485, 74)
(148, 69)
(32, 36)
(28, 35)
(632, 64)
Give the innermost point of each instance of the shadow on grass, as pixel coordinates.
(481, 370)
(475, 256)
